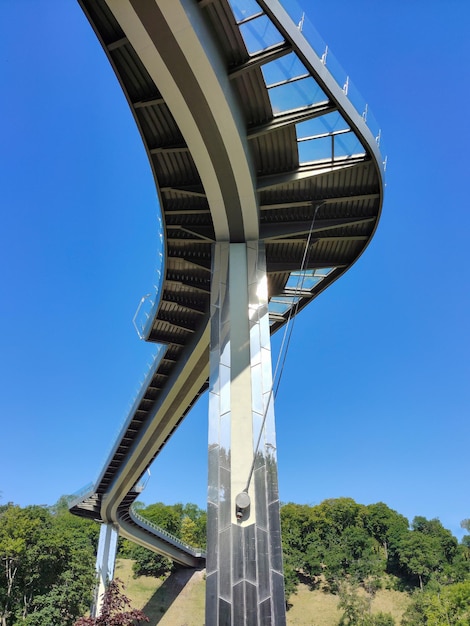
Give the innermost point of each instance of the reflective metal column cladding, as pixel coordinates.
(245, 583)
(105, 561)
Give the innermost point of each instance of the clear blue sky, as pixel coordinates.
(375, 400)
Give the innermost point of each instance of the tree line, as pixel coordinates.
(344, 546)
(351, 550)
(47, 560)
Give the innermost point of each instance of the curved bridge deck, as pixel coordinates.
(316, 171)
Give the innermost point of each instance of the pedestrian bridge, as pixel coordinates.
(252, 132)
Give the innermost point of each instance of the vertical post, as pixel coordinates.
(245, 583)
(105, 561)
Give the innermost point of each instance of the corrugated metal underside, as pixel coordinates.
(345, 196)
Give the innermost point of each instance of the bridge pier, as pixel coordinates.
(245, 582)
(105, 562)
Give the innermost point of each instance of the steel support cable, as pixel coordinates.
(285, 343)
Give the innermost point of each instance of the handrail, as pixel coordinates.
(164, 534)
(80, 495)
(300, 17)
(88, 489)
(144, 316)
(141, 328)
(151, 369)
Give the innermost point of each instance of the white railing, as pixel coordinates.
(165, 535)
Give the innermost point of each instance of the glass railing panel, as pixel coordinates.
(361, 106)
(259, 34)
(148, 305)
(80, 494)
(296, 95)
(152, 366)
(357, 99)
(142, 482)
(298, 15)
(142, 325)
(145, 313)
(305, 26)
(336, 70)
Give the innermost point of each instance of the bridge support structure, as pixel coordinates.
(245, 583)
(105, 562)
(254, 146)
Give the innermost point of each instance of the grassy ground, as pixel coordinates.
(317, 608)
(312, 608)
(179, 600)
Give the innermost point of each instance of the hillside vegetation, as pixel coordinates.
(179, 600)
(345, 564)
(368, 564)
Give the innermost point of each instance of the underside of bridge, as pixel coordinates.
(250, 139)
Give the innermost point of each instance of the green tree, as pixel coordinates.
(449, 606)
(170, 517)
(302, 549)
(381, 619)
(362, 556)
(297, 531)
(356, 609)
(199, 527)
(420, 555)
(189, 531)
(47, 562)
(385, 525)
(428, 551)
(433, 528)
(336, 514)
(148, 563)
(165, 516)
(460, 570)
(186, 522)
(332, 539)
(13, 543)
(353, 605)
(291, 581)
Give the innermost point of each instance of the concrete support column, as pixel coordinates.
(245, 583)
(105, 561)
